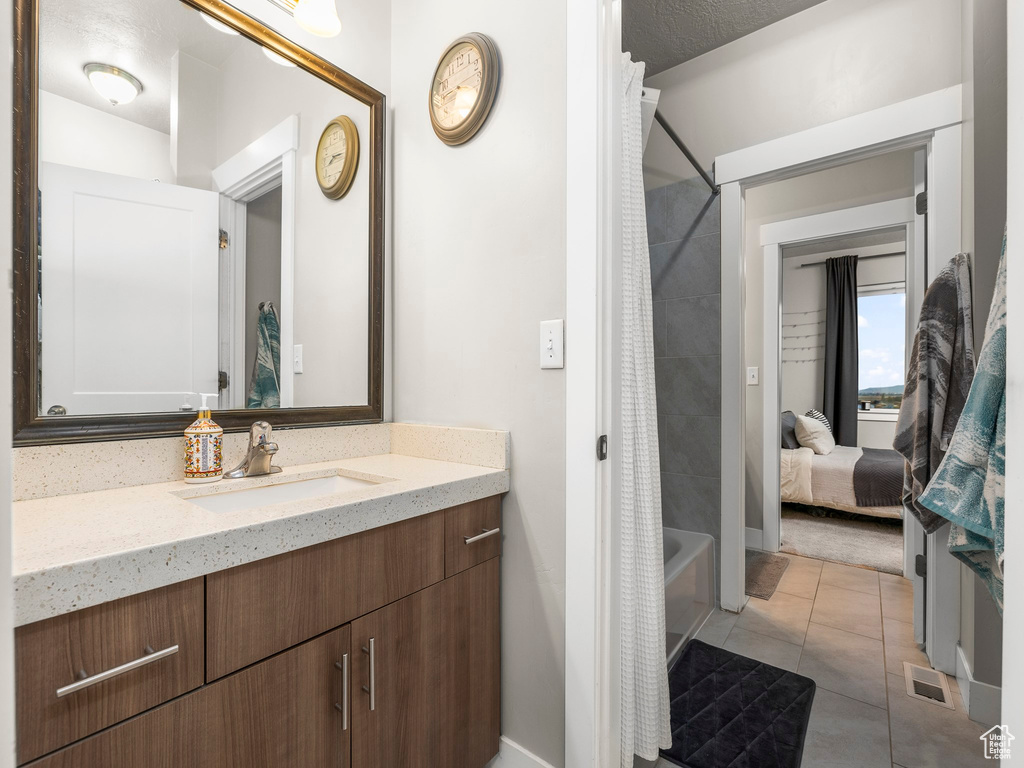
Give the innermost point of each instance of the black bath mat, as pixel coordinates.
(728, 710)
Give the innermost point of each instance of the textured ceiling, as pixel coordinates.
(140, 36)
(665, 33)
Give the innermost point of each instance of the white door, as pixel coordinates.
(128, 316)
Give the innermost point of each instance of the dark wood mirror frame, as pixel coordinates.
(32, 429)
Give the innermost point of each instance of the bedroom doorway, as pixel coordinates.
(842, 504)
(829, 497)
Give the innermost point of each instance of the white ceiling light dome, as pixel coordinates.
(115, 85)
(319, 17)
(218, 25)
(276, 57)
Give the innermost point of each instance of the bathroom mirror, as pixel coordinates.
(173, 235)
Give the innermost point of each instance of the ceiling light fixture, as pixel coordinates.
(277, 58)
(218, 25)
(113, 84)
(318, 17)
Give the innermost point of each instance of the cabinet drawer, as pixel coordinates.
(87, 670)
(468, 534)
(258, 609)
(277, 714)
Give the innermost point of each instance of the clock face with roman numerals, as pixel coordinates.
(463, 88)
(337, 155)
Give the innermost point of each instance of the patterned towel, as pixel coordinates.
(265, 383)
(969, 486)
(938, 381)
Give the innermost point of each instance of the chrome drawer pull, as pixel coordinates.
(149, 658)
(484, 535)
(343, 707)
(372, 690)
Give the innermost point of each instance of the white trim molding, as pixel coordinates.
(265, 164)
(981, 700)
(883, 128)
(512, 755)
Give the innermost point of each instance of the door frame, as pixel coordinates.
(265, 164)
(933, 121)
(774, 237)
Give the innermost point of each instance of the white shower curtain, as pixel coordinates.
(645, 703)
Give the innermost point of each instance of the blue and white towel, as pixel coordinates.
(969, 486)
(265, 383)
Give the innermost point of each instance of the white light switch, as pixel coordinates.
(297, 358)
(753, 374)
(552, 346)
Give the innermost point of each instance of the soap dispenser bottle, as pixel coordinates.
(203, 439)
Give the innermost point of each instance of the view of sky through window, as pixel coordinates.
(881, 322)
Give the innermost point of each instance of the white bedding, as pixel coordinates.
(830, 481)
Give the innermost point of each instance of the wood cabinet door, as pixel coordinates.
(430, 695)
(285, 712)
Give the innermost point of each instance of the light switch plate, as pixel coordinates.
(552, 344)
(297, 358)
(753, 376)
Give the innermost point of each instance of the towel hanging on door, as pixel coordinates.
(265, 382)
(969, 487)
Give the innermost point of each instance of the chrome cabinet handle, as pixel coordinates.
(484, 535)
(149, 658)
(343, 707)
(373, 676)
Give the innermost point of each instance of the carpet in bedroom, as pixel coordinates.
(852, 539)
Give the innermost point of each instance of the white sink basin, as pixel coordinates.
(278, 493)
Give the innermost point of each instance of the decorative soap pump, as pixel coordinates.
(203, 441)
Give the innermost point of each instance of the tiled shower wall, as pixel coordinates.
(684, 232)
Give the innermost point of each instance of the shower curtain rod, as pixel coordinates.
(685, 150)
(859, 258)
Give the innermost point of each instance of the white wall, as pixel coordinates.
(836, 59)
(6, 593)
(74, 134)
(480, 260)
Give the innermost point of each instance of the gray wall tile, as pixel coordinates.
(689, 386)
(691, 503)
(659, 329)
(655, 199)
(690, 210)
(693, 326)
(687, 267)
(691, 445)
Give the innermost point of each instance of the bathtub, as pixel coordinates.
(689, 586)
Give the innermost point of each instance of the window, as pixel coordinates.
(881, 328)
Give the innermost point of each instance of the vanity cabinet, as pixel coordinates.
(408, 673)
(83, 671)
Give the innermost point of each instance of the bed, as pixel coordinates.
(863, 481)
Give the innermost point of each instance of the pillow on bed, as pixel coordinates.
(789, 431)
(814, 435)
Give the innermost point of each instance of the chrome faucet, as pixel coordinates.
(261, 452)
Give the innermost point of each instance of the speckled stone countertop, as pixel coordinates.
(75, 551)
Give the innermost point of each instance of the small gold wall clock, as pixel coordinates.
(337, 155)
(463, 89)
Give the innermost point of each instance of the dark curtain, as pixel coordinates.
(841, 374)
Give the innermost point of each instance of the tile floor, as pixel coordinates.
(850, 630)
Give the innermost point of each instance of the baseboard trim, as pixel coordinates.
(753, 538)
(512, 755)
(983, 701)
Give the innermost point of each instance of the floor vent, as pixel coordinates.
(927, 685)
